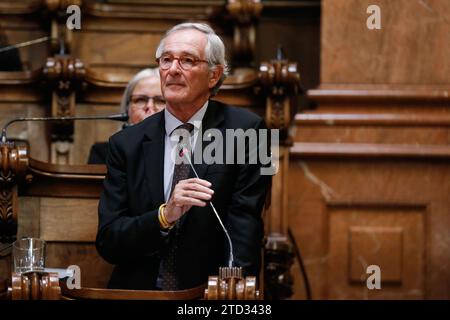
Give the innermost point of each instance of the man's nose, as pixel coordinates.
(174, 67)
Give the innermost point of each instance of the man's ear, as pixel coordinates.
(215, 75)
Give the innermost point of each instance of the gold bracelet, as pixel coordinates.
(162, 218)
(163, 215)
(161, 223)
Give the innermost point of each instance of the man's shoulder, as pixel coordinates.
(97, 153)
(135, 133)
(239, 116)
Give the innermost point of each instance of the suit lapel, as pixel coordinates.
(153, 149)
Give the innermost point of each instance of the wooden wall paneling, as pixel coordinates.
(29, 217)
(371, 160)
(374, 145)
(18, 87)
(331, 195)
(361, 235)
(76, 219)
(126, 49)
(411, 48)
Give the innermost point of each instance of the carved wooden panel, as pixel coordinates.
(339, 200)
(381, 246)
(391, 238)
(76, 219)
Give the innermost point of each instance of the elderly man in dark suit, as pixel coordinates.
(155, 223)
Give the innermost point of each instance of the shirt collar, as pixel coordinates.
(171, 122)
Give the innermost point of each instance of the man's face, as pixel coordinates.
(186, 88)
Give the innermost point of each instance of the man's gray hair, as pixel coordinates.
(214, 50)
(145, 73)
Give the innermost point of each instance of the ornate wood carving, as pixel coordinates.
(13, 165)
(280, 82)
(245, 14)
(35, 286)
(65, 75)
(231, 285)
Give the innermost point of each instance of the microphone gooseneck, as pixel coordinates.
(116, 117)
(231, 258)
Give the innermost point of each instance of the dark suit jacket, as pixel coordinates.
(129, 235)
(98, 152)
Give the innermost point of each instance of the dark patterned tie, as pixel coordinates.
(180, 172)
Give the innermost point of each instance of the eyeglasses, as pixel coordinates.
(186, 62)
(141, 101)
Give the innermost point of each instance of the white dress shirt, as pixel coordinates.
(171, 142)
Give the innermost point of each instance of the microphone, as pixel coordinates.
(183, 153)
(116, 117)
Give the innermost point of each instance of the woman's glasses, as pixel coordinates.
(141, 101)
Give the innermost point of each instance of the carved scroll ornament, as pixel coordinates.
(280, 79)
(14, 163)
(65, 75)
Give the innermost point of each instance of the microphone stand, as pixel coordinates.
(231, 258)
